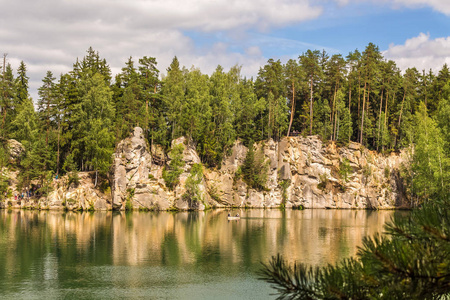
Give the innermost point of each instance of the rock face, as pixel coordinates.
(84, 196)
(16, 150)
(133, 180)
(302, 171)
(137, 176)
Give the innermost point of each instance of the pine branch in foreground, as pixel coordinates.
(411, 262)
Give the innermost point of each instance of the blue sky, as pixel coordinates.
(340, 29)
(51, 34)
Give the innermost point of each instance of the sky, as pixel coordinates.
(52, 34)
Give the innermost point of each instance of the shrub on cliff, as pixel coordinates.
(172, 172)
(411, 262)
(192, 193)
(255, 168)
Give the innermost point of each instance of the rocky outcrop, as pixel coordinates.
(137, 176)
(302, 171)
(135, 182)
(61, 196)
(16, 150)
(305, 172)
(82, 196)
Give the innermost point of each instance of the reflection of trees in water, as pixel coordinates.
(205, 241)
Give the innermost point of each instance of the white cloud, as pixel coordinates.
(421, 52)
(51, 34)
(442, 6)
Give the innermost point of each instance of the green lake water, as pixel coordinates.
(164, 255)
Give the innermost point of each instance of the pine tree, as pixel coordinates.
(22, 83)
(430, 164)
(7, 98)
(412, 262)
(150, 86)
(47, 102)
(173, 90)
(310, 63)
(24, 127)
(98, 112)
(293, 75)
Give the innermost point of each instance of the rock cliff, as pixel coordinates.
(62, 196)
(302, 171)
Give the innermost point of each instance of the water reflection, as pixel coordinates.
(176, 255)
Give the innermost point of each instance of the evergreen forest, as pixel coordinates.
(80, 116)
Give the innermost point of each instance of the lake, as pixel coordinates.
(167, 255)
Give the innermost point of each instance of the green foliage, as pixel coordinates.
(345, 169)
(367, 170)
(25, 124)
(284, 184)
(71, 169)
(323, 181)
(129, 200)
(431, 165)
(104, 186)
(387, 172)
(362, 98)
(46, 183)
(193, 193)
(255, 169)
(4, 155)
(4, 184)
(212, 191)
(412, 262)
(172, 172)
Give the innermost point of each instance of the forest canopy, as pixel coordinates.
(80, 116)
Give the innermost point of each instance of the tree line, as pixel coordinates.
(80, 116)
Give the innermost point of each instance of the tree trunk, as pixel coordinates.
(379, 119)
(385, 120)
(4, 96)
(57, 156)
(359, 94)
(362, 116)
(311, 106)
(334, 112)
(349, 106)
(400, 117)
(292, 108)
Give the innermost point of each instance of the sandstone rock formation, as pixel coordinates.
(83, 196)
(302, 172)
(16, 150)
(310, 174)
(131, 180)
(137, 181)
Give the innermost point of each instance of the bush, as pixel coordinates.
(323, 181)
(128, 202)
(255, 169)
(71, 168)
(387, 172)
(284, 184)
(171, 173)
(345, 169)
(192, 193)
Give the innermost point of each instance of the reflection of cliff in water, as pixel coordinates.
(204, 240)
